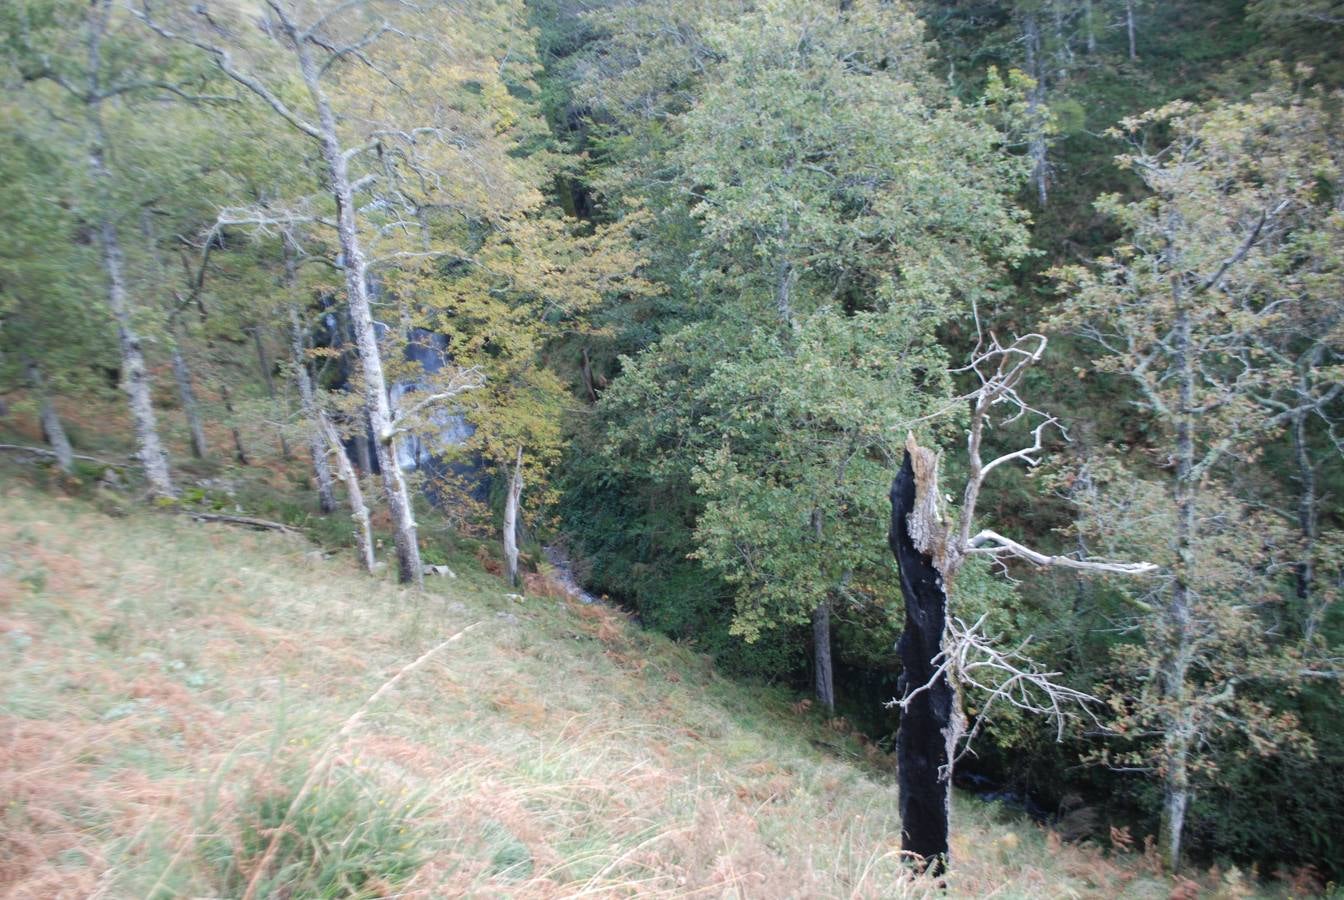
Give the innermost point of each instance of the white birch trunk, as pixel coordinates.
(134, 374)
(511, 518)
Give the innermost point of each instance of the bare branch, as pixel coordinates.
(991, 543)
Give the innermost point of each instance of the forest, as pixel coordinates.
(667, 293)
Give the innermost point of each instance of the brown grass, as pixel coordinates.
(159, 678)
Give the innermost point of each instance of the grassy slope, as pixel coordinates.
(167, 685)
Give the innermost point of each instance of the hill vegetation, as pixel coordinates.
(170, 714)
(666, 294)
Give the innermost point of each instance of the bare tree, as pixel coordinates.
(940, 654)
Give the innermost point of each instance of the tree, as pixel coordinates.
(92, 59)
(51, 338)
(378, 99)
(838, 198)
(1182, 310)
(941, 654)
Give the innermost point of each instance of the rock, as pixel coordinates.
(439, 570)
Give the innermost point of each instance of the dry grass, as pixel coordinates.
(167, 686)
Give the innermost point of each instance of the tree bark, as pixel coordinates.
(359, 511)
(931, 720)
(511, 518)
(135, 375)
(52, 429)
(361, 318)
(821, 653)
(326, 497)
(187, 395)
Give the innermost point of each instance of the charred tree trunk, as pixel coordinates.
(930, 722)
(821, 653)
(511, 518)
(326, 497)
(52, 429)
(359, 511)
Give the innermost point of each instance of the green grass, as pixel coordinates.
(169, 688)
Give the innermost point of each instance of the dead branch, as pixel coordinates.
(245, 521)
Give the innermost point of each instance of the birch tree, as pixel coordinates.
(92, 56)
(364, 84)
(1182, 310)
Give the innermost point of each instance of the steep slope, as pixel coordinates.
(185, 713)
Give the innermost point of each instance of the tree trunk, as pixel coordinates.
(1130, 29)
(821, 653)
(239, 451)
(1037, 149)
(1174, 661)
(1308, 520)
(52, 429)
(358, 510)
(511, 518)
(409, 569)
(361, 319)
(931, 719)
(1089, 23)
(135, 376)
(326, 497)
(264, 362)
(187, 395)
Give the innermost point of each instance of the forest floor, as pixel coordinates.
(185, 711)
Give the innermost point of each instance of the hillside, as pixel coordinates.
(169, 686)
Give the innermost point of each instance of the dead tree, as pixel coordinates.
(941, 654)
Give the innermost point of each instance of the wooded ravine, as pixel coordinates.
(971, 372)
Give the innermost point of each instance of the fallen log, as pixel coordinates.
(244, 521)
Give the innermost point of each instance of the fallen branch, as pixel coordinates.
(245, 521)
(330, 750)
(43, 451)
